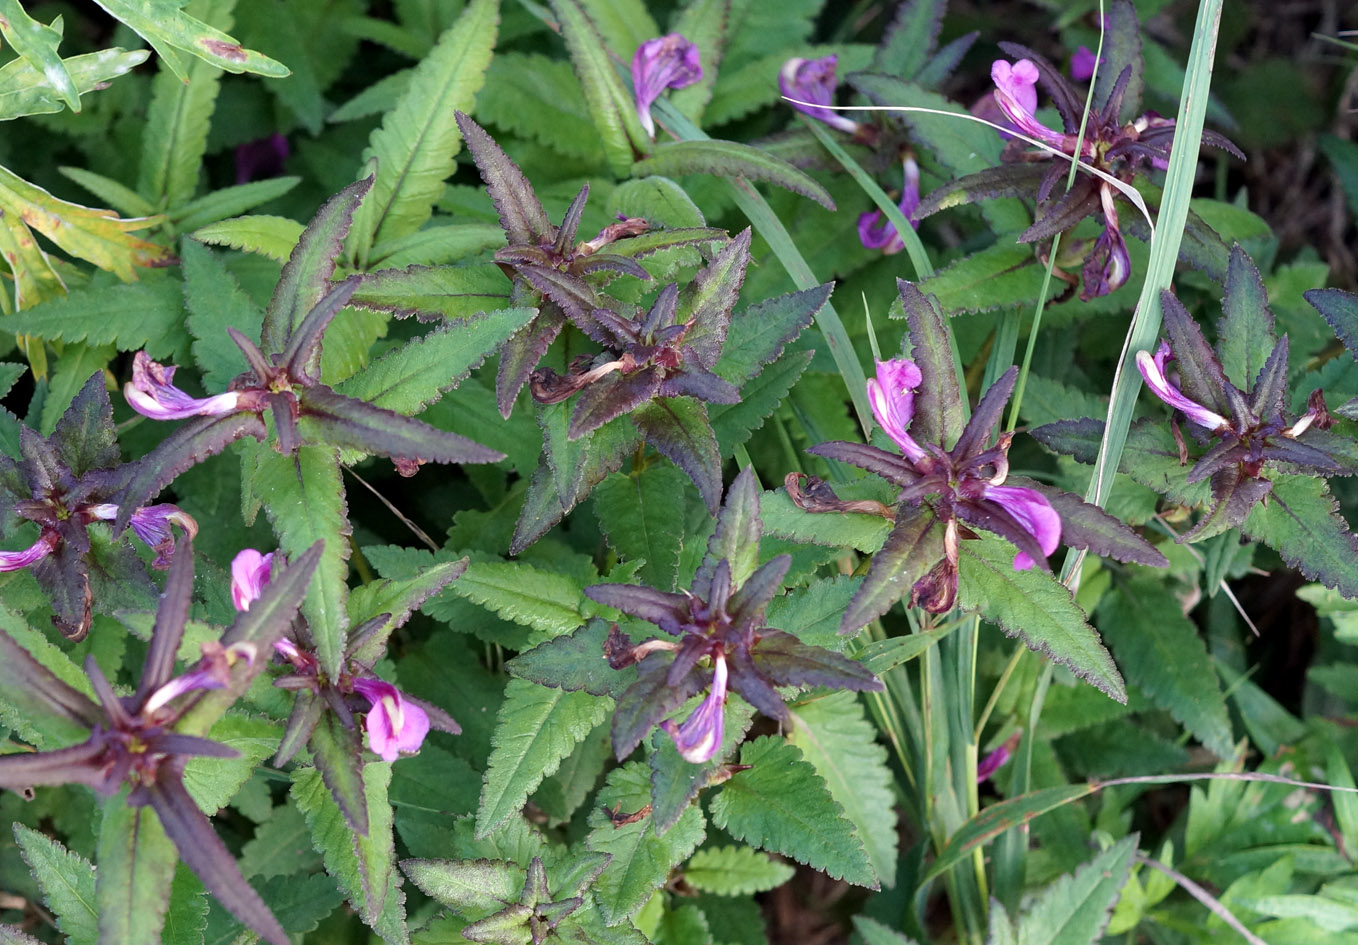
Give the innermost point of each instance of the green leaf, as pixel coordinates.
(212, 782)
(535, 729)
(641, 860)
(281, 846)
(230, 202)
(67, 881)
(624, 24)
(473, 888)
(760, 398)
(835, 736)
(363, 866)
(415, 146)
(1074, 910)
(643, 520)
(215, 300)
(679, 429)
(574, 661)
(909, 39)
(337, 752)
(136, 865)
(138, 315)
(303, 496)
(998, 276)
(1245, 332)
(914, 546)
(1161, 653)
(26, 90)
(1037, 608)
(540, 98)
(736, 537)
(172, 33)
(275, 237)
(416, 374)
(550, 602)
(396, 600)
(759, 333)
(875, 933)
(455, 292)
(435, 243)
(117, 195)
(730, 159)
(1301, 522)
(37, 45)
(735, 871)
(781, 804)
(610, 106)
(866, 533)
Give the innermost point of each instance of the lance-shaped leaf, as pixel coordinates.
(736, 537)
(520, 211)
(302, 353)
(28, 90)
(1087, 526)
(355, 424)
(1300, 521)
(136, 865)
(788, 662)
(890, 466)
(914, 546)
(679, 429)
(1340, 311)
(522, 352)
(1245, 332)
(306, 276)
(37, 45)
(939, 417)
(430, 293)
(337, 752)
(55, 708)
(174, 35)
(575, 661)
(708, 299)
(730, 159)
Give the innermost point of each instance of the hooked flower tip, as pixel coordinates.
(875, 232)
(152, 393)
(699, 738)
(813, 81)
(667, 62)
(1153, 372)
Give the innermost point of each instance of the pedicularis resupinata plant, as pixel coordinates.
(706, 496)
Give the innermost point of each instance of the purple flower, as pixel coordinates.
(667, 62)
(250, 572)
(1034, 513)
(996, 759)
(395, 724)
(1108, 265)
(813, 81)
(699, 738)
(1153, 370)
(262, 158)
(213, 672)
(1016, 93)
(875, 232)
(152, 394)
(14, 560)
(151, 523)
(1082, 64)
(892, 395)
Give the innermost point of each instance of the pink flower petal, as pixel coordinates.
(1153, 371)
(1034, 513)
(892, 396)
(250, 572)
(699, 738)
(813, 81)
(151, 392)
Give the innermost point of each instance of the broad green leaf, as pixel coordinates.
(140, 315)
(909, 39)
(215, 300)
(396, 600)
(540, 98)
(1160, 652)
(735, 871)
(281, 846)
(1301, 522)
(758, 334)
(419, 372)
(623, 24)
(812, 613)
(544, 600)
(536, 728)
(26, 90)
(866, 533)
(675, 783)
(96, 236)
(37, 45)
(175, 34)
(1037, 608)
(1245, 331)
(730, 159)
(214, 781)
(415, 146)
(574, 661)
(174, 138)
(760, 398)
(610, 106)
(1340, 310)
(1074, 910)
(275, 237)
(642, 517)
(363, 866)
(781, 804)
(839, 741)
(473, 888)
(641, 861)
(67, 881)
(303, 496)
(455, 292)
(999, 276)
(136, 865)
(914, 546)
(230, 202)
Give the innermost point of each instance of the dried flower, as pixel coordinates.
(667, 62)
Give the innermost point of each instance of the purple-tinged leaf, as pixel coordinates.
(1200, 376)
(1076, 438)
(307, 708)
(174, 743)
(662, 311)
(40, 465)
(747, 679)
(746, 606)
(736, 538)
(1301, 522)
(570, 223)
(890, 466)
(1340, 311)
(574, 295)
(187, 446)
(1089, 527)
(667, 610)
(1006, 180)
(171, 616)
(648, 701)
(35, 690)
(575, 662)
(337, 752)
(1234, 494)
(1343, 450)
(976, 435)
(1076, 204)
(83, 436)
(611, 397)
(1245, 331)
(341, 421)
(306, 277)
(611, 262)
(522, 351)
(707, 301)
(64, 576)
(1301, 457)
(695, 381)
(79, 764)
(136, 866)
(678, 428)
(1222, 453)
(909, 39)
(521, 214)
(654, 241)
(1270, 387)
(758, 334)
(938, 402)
(913, 547)
(301, 357)
(789, 662)
(203, 851)
(259, 365)
(283, 407)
